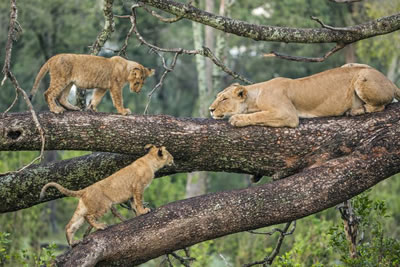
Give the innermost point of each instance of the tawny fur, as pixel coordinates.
(352, 89)
(90, 72)
(131, 181)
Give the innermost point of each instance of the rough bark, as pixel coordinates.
(349, 34)
(196, 144)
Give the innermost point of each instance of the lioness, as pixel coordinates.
(98, 198)
(354, 89)
(90, 72)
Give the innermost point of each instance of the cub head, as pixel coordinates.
(136, 77)
(229, 102)
(161, 154)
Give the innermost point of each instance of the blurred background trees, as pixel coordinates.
(52, 27)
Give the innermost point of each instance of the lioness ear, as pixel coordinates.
(148, 147)
(240, 91)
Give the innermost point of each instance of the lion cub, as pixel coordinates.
(96, 199)
(90, 72)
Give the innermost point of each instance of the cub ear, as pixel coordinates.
(240, 91)
(160, 152)
(150, 72)
(148, 147)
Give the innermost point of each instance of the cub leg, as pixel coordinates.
(91, 219)
(138, 201)
(117, 214)
(52, 94)
(273, 118)
(116, 95)
(63, 99)
(374, 89)
(75, 223)
(97, 96)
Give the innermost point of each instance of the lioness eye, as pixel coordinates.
(224, 99)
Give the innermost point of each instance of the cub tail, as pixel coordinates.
(43, 70)
(60, 188)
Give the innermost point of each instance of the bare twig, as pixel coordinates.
(345, 29)
(160, 83)
(14, 29)
(177, 51)
(185, 261)
(307, 59)
(282, 233)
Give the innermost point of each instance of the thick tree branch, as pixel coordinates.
(352, 34)
(190, 221)
(196, 144)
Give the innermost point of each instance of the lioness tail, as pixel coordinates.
(60, 188)
(43, 70)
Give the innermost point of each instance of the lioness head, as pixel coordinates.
(161, 154)
(229, 102)
(137, 76)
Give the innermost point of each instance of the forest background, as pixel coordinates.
(52, 27)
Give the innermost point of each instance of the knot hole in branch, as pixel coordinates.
(14, 134)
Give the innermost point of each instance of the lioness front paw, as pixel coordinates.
(237, 120)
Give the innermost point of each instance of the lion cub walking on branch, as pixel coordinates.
(96, 199)
(353, 89)
(90, 72)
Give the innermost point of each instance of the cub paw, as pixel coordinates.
(101, 226)
(237, 120)
(125, 111)
(57, 109)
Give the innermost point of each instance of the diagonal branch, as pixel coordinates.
(190, 221)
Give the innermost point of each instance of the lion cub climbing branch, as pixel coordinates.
(131, 181)
(354, 89)
(90, 72)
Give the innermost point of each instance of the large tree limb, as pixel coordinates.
(187, 222)
(351, 34)
(196, 144)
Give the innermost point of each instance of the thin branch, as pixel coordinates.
(307, 59)
(160, 83)
(14, 29)
(345, 1)
(282, 233)
(345, 29)
(185, 261)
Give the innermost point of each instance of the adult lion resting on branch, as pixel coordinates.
(352, 89)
